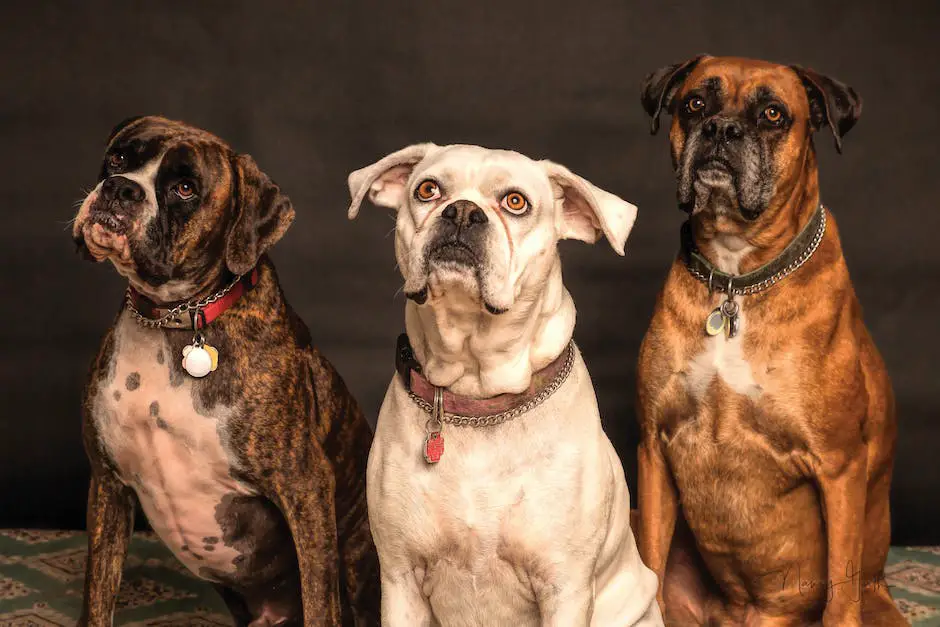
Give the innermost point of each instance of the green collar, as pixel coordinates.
(797, 252)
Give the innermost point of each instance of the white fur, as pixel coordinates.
(722, 357)
(729, 250)
(146, 177)
(525, 523)
(181, 472)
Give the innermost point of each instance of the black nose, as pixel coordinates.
(464, 214)
(122, 189)
(723, 129)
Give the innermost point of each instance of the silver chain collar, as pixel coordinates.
(774, 278)
(500, 418)
(169, 316)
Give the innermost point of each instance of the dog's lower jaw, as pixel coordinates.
(716, 199)
(447, 278)
(421, 297)
(711, 187)
(103, 244)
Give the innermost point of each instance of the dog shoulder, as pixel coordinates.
(102, 371)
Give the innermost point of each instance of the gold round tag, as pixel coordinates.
(715, 322)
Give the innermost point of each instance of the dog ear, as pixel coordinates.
(121, 126)
(830, 102)
(661, 86)
(587, 211)
(384, 181)
(263, 214)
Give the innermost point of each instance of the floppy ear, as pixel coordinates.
(384, 181)
(263, 214)
(661, 86)
(830, 102)
(587, 211)
(121, 126)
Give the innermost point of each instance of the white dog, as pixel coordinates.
(524, 517)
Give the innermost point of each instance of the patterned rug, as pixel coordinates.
(42, 575)
(41, 584)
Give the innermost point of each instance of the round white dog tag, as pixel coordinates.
(197, 361)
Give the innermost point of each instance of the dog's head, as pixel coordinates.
(486, 221)
(742, 129)
(176, 210)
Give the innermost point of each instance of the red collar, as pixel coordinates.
(410, 371)
(190, 315)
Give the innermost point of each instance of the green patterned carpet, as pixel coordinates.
(41, 584)
(41, 579)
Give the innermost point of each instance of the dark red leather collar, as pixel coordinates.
(410, 371)
(197, 317)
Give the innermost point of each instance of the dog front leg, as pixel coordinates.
(571, 605)
(308, 505)
(843, 493)
(403, 602)
(110, 521)
(657, 501)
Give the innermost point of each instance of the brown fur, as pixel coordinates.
(754, 509)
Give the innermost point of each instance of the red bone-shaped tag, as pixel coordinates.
(433, 447)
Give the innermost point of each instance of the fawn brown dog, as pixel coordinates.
(766, 413)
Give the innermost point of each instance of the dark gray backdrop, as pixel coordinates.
(314, 90)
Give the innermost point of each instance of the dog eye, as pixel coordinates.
(515, 203)
(773, 115)
(116, 160)
(695, 104)
(427, 191)
(185, 189)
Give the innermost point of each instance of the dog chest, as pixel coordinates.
(727, 397)
(722, 388)
(730, 419)
(485, 528)
(722, 359)
(172, 454)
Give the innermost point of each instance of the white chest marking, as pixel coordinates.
(722, 357)
(729, 250)
(174, 456)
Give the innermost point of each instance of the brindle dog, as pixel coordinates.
(254, 475)
(766, 454)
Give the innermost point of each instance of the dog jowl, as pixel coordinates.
(252, 471)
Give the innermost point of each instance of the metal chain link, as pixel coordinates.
(171, 314)
(496, 419)
(779, 275)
